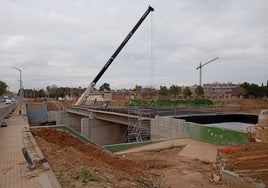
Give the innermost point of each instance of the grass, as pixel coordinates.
(86, 176)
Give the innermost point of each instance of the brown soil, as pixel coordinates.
(58, 105)
(77, 164)
(249, 161)
(54, 106)
(243, 105)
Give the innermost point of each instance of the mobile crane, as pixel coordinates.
(83, 98)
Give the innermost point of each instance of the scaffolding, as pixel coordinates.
(139, 125)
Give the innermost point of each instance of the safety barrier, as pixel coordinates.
(5, 110)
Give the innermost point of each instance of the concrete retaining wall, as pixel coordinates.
(51, 115)
(5, 110)
(37, 112)
(167, 127)
(234, 179)
(215, 135)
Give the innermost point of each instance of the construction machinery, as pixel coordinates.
(200, 69)
(84, 96)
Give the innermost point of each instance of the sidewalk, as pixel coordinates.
(193, 148)
(14, 171)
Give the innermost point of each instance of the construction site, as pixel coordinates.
(171, 152)
(185, 142)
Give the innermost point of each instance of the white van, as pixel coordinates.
(8, 101)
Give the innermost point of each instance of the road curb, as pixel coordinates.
(43, 174)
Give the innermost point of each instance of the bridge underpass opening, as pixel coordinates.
(238, 122)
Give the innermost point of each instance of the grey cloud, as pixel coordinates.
(68, 42)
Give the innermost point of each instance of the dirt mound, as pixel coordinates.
(80, 157)
(54, 106)
(77, 164)
(58, 105)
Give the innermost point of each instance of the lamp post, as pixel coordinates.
(21, 92)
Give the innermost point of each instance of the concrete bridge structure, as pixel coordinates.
(108, 128)
(105, 127)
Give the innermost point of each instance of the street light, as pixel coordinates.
(21, 92)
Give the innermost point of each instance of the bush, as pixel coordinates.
(171, 103)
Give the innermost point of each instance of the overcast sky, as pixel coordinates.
(67, 42)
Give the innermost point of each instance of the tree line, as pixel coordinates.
(53, 92)
(249, 90)
(254, 91)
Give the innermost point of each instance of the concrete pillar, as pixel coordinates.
(102, 132)
(71, 120)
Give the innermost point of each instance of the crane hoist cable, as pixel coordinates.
(152, 50)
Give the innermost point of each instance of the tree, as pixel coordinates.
(137, 88)
(187, 92)
(175, 90)
(163, 90)
(199, 90)
(3, 88)
(105, 87)
(253, 90)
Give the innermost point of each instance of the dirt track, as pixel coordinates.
(77, 164)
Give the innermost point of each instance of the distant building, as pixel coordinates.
(99, 97)
(220, 90)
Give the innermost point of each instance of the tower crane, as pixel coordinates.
(200, 69)
(82, 99)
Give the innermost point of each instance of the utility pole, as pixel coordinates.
(200, 69)
(21, 92)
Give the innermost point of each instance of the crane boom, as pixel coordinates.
(200, 67)
(84, 96)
